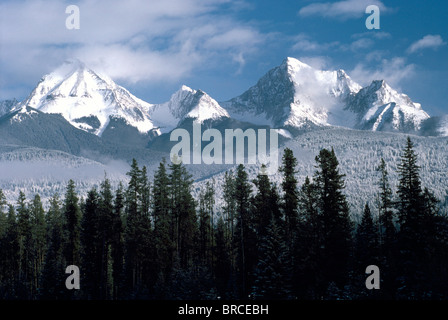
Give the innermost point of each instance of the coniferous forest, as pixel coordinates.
(150, 239)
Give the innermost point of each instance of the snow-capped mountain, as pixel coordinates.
(381, 108)
(91, 102)
(87, 100)
(292, 97)
(295, 95)
(186, 103)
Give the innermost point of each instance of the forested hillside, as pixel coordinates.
(149, 238)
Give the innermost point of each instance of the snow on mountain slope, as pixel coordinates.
(443, 129)
(87, 100)
(292, 96)
(359, 153)
(297, 95)
(186, 103)
(6, 106)
(379, 107)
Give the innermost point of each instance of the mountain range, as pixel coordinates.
(80, 116)
(293, 96)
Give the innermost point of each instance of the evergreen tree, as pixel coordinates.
(10, 257)
(334, 217)
(229, 214)
(3, 216)
(290, 197)
(245, 233)
(386, 214)
(387, 231)
(417, 217)
(205, 231)
(117, 242)
(72, 225)
(105, 230)
(163, 243)
(53, 274)
(139, 253)
(272, 274)
(91, 245)
(222, 269)
(39, 240)
(308, 275)
(183, 206)
(367, 250)
(409, 189)
(145, 193)
(136, 234)
(262, 203)
(133, 191)
(25, 248)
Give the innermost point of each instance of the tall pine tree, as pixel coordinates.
(334, 217)
(245, 234)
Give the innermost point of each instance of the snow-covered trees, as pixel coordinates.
(268, 240)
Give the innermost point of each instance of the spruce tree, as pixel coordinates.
(25, 248)
(39, 240)
(262, 203)
(204, 231)
(11, 257)
(409, 189)
(135, 233)
(334, 217)
(105, 230)
(91, 246)
(183, 206)
(53, 274)
(308, 275)
(3, 216)
(416, 212)
(117, 242)
(72, 225)
(229, 214)
(387, 231)
(163, 243)
(222, 269)
(290, 197)
(272, 273)
(367, 241)
(386, 213)
(245, 233)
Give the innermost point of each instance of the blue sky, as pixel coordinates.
(223, 47)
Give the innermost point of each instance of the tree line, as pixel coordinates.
(151, 239)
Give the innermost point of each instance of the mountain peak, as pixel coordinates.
(84, 98)
(185, 88)
(293, 65)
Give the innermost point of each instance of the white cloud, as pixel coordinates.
(317, 62)
(393, 71)
(427, 42)
(340, 9)
(360, 44)
(302, 42)
(139, 40)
